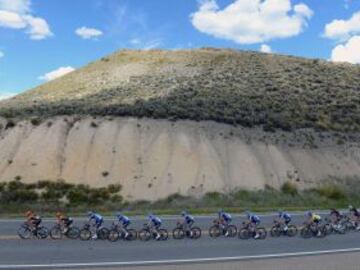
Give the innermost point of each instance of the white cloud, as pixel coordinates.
(1, 54)
(16, 14)
(17, 6)
(9, 19)
(265, 48)
(348, 52)
(38, 28)
(52, 75)
(343, 29)
(88, 33)
(251, 21)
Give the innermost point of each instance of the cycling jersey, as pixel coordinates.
(189, 219)
(124, 220)
(254, 219)
(316, 218)
(156, 221)
(98, 219)
(226, 217)
(286, 217)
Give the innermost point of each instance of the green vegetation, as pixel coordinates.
(239, 88)
(47, 197)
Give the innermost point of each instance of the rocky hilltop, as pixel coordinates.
(188, 122)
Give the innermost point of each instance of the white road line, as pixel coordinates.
(180, 261)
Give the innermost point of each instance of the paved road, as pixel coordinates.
(14, 251)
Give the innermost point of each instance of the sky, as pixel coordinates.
(43, 40)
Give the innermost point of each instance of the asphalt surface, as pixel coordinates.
(24, 252)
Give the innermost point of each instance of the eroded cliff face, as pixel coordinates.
(152, 159)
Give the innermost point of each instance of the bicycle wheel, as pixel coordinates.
(144, 235)
(113, 236)
(232, 230)
(291, 231)
(132, 235)
(262, 233)
(196, 232)
(103, 234)
(327, 229)
(244, 234)
(85, 235)
(178, 234)
(42, 233)
(323, 232)
(164, 235)
(56, 233)
(73, 233)
(305, 232)
(24, 232)
(275, 231)
(214, 231)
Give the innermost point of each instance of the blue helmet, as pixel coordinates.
(150, 215)
(308, 214)
(118, 214)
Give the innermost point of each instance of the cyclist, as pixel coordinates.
(355, 216)
(253, 221)
(224, 220)
(64, 221)
(188, 221)
(284, 218)
(313, 219)
(124, 221)
(96, 220)
(155, 224)
(32, 220)
(335, 217)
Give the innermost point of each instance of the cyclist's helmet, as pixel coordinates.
(118, 214)
(150, 215)
(90, 213)
(308, 214)
(183, 213)
(29, 213)
(351, 207)
(248, 213)
(280, 212)
(58, 214)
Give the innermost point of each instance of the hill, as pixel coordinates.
(240, 88)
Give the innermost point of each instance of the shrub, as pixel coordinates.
(331, 192)
(289, 188)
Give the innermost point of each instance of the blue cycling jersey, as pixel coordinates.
(254, 219)
(96, 217)
(189, 219)
(124, 219)
(285, 216)
(227, 217)
(156, 221)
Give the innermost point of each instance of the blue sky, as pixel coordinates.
(41, 40)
